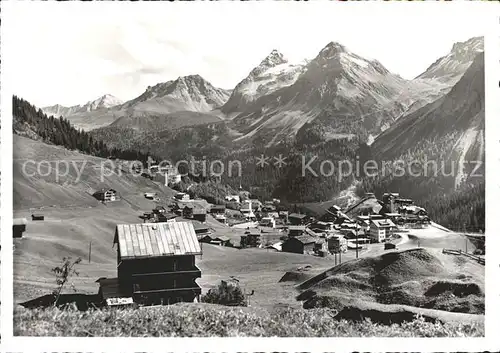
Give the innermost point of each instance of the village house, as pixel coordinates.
(250, 239)
(388, 201)
(336, 243)
(232, 198)
(19, 227)
(320, 226)
(37, 217)
(295, 231)
(256, 204)
(216, 240)
(188, 211)
(299, 245)
(159, 210)
(320, 247)
(283, 215)
(268, 222)
(199, 214)
(220, 218)
(105, 195)
(165, 217)
(201, 229)
(162, 270)
(297, 219)
(182, 196)
(218, 209)
(380, 230)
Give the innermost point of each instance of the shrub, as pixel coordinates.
(226, 293)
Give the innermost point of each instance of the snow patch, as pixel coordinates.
(463, 145)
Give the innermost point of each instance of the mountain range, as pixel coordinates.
(337, 105)
(336, 94)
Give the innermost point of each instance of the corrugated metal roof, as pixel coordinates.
(157, 239)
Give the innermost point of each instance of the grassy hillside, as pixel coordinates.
(416, 277)
(72, 186)
(211, 320)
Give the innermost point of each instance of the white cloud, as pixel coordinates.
(72, 52)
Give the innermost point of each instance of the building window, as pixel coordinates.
(174, 265)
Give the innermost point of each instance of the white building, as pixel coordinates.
(268, 222)
(380, 229)
(182, 196)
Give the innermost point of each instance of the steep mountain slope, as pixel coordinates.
(103, 102)
(451, 67)
(436, 155)
(457, 118)
(188, 93)
(148, 122)
(273, 73)
(336, 94)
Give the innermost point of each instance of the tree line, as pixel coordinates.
(29, 120)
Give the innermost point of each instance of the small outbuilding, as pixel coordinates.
(298, 219)
(200, 215)
(19, 227)
(299, 245)
(105, 195)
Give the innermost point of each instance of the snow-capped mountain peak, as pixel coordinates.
(332, 49)
(273, 73)
(273, 59)
(191, 92)
(105, 101)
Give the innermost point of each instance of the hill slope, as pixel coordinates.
(455, 123)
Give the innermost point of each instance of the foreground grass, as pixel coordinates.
(211, 320)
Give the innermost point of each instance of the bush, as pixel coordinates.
(229, 294)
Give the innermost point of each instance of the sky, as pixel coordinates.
(71, 52)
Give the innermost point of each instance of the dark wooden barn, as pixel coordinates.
(199, 215)
(156, 263)
(187, 211)
(251, 239)
(19, 227)
(297, 219)
(218, 209)
(299, 245)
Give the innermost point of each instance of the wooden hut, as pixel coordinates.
(156, 262)
(19, 227)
